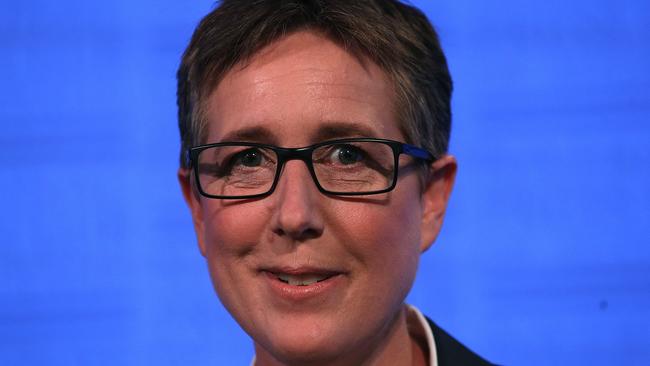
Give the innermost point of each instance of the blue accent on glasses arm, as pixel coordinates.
(417, 152)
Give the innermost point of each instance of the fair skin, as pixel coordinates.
(298, 91)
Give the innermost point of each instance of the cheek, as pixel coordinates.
(382, 238)
(232, 230)
(231, 234)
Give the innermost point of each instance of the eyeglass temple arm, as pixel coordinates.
(417, 152)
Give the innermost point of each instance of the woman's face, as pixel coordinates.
(265, 255)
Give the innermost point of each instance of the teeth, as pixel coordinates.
(305, 280)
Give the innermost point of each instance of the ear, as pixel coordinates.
(193, 201)
(435, 195)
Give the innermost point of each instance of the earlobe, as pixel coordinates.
(435, 196)
(192, 200)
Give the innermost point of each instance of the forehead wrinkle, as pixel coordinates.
(322, 84)
(290, 51)
(280, 62)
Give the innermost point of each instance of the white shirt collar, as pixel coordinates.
(415, 320)
(418, 323)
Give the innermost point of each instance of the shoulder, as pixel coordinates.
(451, 352)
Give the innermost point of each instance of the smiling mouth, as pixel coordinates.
(300, 277)
(302, 280)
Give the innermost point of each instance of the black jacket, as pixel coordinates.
(451, 352)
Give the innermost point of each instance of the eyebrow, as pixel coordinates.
(326, 131)
(335, 130)
(259, 134)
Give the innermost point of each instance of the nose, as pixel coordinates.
(296, 209)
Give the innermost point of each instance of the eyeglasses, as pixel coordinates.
(345, 167)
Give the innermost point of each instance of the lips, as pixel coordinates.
(300, 276)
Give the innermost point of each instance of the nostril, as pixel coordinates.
(298, 219)
(298, 235)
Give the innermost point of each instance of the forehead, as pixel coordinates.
(301, 89)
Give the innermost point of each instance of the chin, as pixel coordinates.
(301, 345)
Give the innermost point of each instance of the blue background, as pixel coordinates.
(544, 258)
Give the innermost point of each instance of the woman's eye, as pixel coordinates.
(347, 154)
(249, 158)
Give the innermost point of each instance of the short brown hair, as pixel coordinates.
(395, 36)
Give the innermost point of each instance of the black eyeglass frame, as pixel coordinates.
(286, 154)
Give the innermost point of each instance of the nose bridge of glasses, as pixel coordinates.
(300, 153)
(286, 154)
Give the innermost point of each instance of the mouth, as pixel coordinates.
(300, 277)
(304, 285)
(302, 280)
